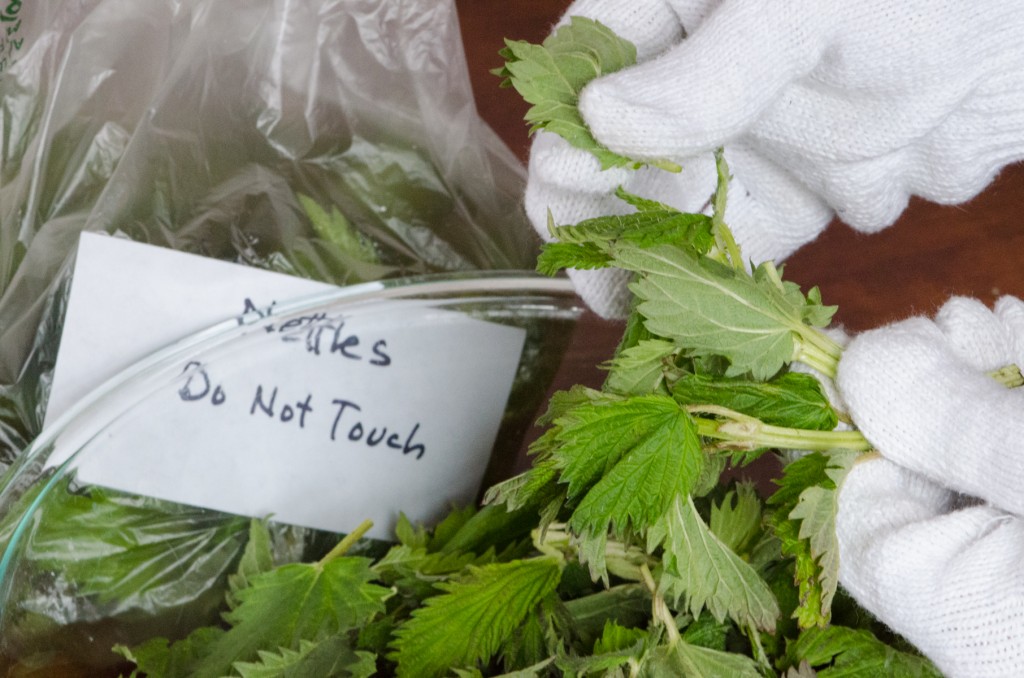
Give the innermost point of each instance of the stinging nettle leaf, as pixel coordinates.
(140, 552)
(684, 660)
(703, 572)
(158, 657)
(653, 223)
(329, 658)
(736, 521)
(256, 559)
(291, 603)
(631, 458)
(791, 399)
(474, 617)
(856, 653)
(551, 76)
(809, 471)
(640, 369)
(616, 646)
(556, 256)
(816, 510)
(337, 230)
(709, 309)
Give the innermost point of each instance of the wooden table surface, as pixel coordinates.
(932, 252)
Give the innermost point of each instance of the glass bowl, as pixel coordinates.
(124, 518)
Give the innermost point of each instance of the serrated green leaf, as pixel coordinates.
(456, 522)
(626, 604)
(328, 658)
(856, 653)
(471, 620)
(591, 548)
(816, 510)
(142, 553)
(617, 646)
(807, 471)
(256, 559)
(563, 402)
(811, 480)
(791, 399)
(413, 536)
(692, 661)
(492, 527)
(816, 313)
(640, 369)
(555, 256)
(158, 657)
(295, 602)
(336, 229)
(523, 489)
(539, 639)
(707, 308)
(700, 570)
(415, 571)
(706, 631)
(615, 638)
(653, 223)
(631, 458)
(593, 437)
(550, 77)
(736, 521)
(806, 572)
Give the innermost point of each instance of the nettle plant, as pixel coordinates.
(623, 550)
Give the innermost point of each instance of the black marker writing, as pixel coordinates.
(372, 436)
(287, 413)
(198, 385)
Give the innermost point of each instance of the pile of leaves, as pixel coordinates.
(622, 551)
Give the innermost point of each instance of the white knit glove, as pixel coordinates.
(932, 535)
(821, 105)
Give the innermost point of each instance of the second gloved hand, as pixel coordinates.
(821, 106)
(931, 535)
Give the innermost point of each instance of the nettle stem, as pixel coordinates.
(723, 234)
(818, 351)
(621, 560)
(740, 432)
(347, 542)
(659, 609)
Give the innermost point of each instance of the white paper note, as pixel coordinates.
(322, 421)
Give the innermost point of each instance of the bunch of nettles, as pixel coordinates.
(622, 551)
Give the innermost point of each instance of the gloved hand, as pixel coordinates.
(931, 535)
(821, 106)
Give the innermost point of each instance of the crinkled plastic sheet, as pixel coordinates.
(199, 124)
(335, 140)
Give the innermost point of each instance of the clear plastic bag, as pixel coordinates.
(335, 140)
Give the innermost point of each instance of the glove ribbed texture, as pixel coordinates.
(946, 576)
(823, 108)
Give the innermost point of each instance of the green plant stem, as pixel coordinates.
(723, 234)
(659, 608)
(741, 432)
(346, 543)
(818, 351)
(623, 561)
